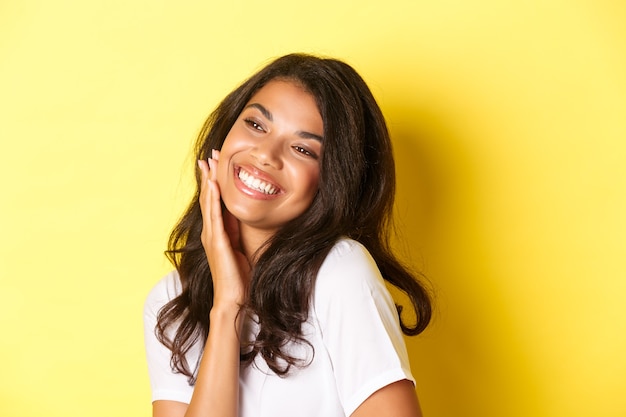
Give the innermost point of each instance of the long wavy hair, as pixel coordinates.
(354, 200)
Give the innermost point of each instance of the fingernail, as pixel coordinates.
(213, 153)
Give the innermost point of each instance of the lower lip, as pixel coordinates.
(251, 192)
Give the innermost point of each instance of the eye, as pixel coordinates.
(304, 151)
(254, 125)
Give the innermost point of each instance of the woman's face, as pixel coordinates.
(269, 164)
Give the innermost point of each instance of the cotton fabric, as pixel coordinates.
(353, 328)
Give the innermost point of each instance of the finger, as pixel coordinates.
(231, 226)
(217, 222)
(203, 202)
(204, 178)
(204, 170)
(212, 163)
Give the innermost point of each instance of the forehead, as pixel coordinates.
(285, 89)
(283, 100)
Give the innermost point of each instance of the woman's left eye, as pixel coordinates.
(304, 151)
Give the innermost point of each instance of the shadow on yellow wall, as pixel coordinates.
(473, 341)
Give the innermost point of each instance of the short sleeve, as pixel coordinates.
(164, 382)
(359, 325)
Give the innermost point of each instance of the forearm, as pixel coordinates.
(216, 393)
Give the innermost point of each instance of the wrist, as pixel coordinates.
(225, 316)
(224, 311)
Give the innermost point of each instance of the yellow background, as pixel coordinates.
(509, 124)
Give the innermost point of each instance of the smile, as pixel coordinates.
(256, 183)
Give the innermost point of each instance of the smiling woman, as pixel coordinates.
(269, 166)
(278, 304)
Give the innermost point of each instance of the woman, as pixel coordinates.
(278, 305)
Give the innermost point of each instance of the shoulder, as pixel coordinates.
(348, 266)
(166, 384)
(168, 288)
(349, 278)
(358, 324)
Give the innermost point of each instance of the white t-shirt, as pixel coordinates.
(353, 328)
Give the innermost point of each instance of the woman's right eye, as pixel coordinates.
(254, 125)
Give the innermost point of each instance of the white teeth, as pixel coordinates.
(256, 183)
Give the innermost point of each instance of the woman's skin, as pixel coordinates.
(278, 149)
(276, 141)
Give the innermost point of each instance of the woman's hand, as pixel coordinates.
(216, 391)
(220, 237)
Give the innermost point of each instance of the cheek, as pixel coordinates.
(313, 180)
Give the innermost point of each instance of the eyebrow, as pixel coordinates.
(262, 109)
(268, 115)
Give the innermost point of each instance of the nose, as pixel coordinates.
(267, 151)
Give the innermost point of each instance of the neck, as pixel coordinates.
(251, 240)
